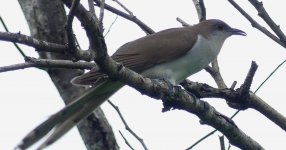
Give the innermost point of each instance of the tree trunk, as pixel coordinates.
(46, 20)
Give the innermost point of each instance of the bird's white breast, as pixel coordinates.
(202, 53)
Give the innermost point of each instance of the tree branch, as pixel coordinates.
(126, 141)
(70, 34)
(257, 25)
(48, 63)
(215, 73)
(15, 44)
(201, 9)
(184, 23)
(132, 18)
(264, 15)
(206, 91)
(221, 142)
(127, 126)
(124, 7)
(42, 45)
(101, 14)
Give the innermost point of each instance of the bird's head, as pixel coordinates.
(218, 29)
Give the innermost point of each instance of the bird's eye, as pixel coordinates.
(220, 27)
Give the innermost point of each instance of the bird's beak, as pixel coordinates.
(234, 31)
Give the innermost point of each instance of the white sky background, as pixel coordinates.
(28, 96)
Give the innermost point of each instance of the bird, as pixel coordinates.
(173, 55)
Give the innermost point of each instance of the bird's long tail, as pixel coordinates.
(65, 119)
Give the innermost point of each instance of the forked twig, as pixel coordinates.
(127, 126)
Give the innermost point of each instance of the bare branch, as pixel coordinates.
(284, 61)
(91, 6)
(42, 45)
(101, 14)
(29, 41)
(48, 63)
(245, 87)
(232, 87)
(272, 114)
(221, 141)
(127, 126)
(15, 44)
(244, 90)
(132, 18)
(185, 24)
(70, 34)
(201, 10)
(215, 73)
(257, 25)
(206, 91)
(264, 15)
(110, 27)
(124, 7)
(201, 139)
(126, 141)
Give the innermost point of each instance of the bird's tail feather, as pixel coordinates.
(65, 119)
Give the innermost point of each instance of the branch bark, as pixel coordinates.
(43, 45)
(48, 63)
(129, 16)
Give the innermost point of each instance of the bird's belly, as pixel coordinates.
(176, 71)
(179, 69)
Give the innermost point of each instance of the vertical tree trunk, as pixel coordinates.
(46, 20)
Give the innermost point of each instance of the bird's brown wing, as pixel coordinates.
(147, 52)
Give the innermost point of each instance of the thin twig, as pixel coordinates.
(101, 14)
(127, 126)
(42, 45)
(265, 16)
(201, 10)
(201, 139)
(209, 134)
(245, 87)
(132, 18)
(184, 23)
(233, 85)
(221, 142)
(215, 73)
(48, 63)
(29, 41)
(257, 25)
(229, 146)
(70, 34)
(126, 141)
(124, 7)
(270, 75)
(15, 44)
(110, 26)
(91, 6)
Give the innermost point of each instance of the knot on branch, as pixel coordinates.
(238, 99)
(242, 101)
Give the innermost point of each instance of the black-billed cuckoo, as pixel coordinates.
(172, 54)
